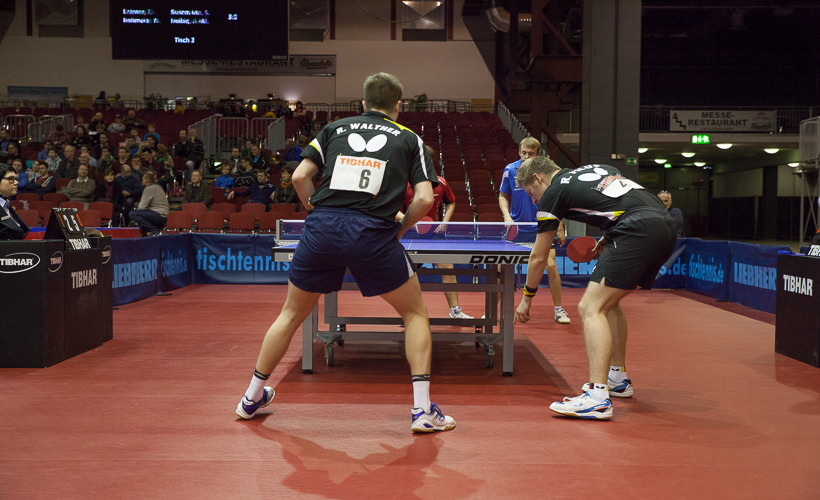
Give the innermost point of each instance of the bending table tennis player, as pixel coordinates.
(366, 162)
(442, 195)
(639, 236)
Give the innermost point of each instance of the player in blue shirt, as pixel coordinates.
(518, 207)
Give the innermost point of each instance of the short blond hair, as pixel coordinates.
(541, 165)
(382, 91)
(531, 142)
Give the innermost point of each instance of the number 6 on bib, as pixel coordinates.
(362, 174)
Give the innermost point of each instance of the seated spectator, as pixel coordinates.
(675, 213)
(12, 153)
(132, 146)
(102, 142)
(138, 168)
(101, 102)
(107, 162)
(87, 150)
(152, 213)
(282, 109)
(85, 159)
(80, 189)
(43, 183)
(5, 140)
(149, 143)
(116, 103)
(96, 121)
(224, 181)
(261, 192)
(131, 190)
(131, 121)
(80, 122)
(123, 157)
(260, 159)
(234, 160)
(162, 174)
(164, 157)
(134, 133)
(292, 152)
(300, 111)
(12, 226)
(34, 171)
(53, 162)
(182, 148)
(117, 127)
(303, 140)
(95, 135)
(197, 154)
(178, 109)
(69, 164)
(152, 132)
(247, 150)
(19, 167)
(59, 137)
(245, 176)
(111, 191)
(47, 146)
(82, 138)
(285, 192)
(197, 191)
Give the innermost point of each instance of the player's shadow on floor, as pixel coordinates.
(407, 472)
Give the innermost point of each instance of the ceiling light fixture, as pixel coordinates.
(700, 163)
(724, 145)
(687, 155)
(660, 161)
(642, 150)
(771, 151)
(793, 165)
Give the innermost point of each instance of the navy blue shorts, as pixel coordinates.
(335, 239)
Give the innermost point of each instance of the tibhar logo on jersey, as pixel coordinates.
(359, 145)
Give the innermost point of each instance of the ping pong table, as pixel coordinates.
(482, 246)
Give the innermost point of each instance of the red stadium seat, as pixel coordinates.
(55, 198)
(73, 204)
(257, 209)
(106, 210)
(28, 197)
(43, 209)
(267, 223)
(490, 217)
(195, 209)
(243, 222)
(226, 209)
(90, 218)
(210, 222)
(30, 217)
(179, 221)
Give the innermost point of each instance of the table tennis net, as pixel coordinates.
(291, 230)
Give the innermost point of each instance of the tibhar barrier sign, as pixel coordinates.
(721, 121)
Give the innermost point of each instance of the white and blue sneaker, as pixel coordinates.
(457, 313)
(616, 389)
(434, 421)
(247, 408)
(562, 317)
(583, 406)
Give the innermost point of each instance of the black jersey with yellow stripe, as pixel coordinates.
(593, 194)
(366, 162)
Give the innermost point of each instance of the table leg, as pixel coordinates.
(507, 317)
(309, 331)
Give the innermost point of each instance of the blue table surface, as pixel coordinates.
(465, 246)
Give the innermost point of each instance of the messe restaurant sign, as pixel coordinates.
(721, 121)
(293, 65)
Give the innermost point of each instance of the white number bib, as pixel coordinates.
(616, 186)
(352, 173)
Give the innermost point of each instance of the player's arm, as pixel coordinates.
(422, 202)
(504, 204)
(535, 271)
(562, 233)
(303, 180)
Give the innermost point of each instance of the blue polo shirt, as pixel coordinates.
(522, 209)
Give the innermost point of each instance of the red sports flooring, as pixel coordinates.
(150, 415)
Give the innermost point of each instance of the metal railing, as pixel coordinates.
(231, 133)
(259, 130)
(40, 130)
(206, 131)
(517, 130)
(275, 139)
(17, 126)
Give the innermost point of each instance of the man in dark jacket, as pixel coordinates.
(261, 192)
(41, 185)
(12, 226)
(197, 191)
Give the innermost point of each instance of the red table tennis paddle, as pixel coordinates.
(423, 228)
(512, 232)
(581, 249)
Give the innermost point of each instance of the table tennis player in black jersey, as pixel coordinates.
(366, 163)
(639, 236)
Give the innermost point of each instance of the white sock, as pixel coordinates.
(558, 308)
(256, 390)
(421, 395)
(617, 373)
(598, 392)
(455, 309)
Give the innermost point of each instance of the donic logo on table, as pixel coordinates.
(19, 262)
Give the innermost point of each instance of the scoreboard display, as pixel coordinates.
(199, 29)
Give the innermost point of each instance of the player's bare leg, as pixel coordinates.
(561, 315)
(298, 305)
(595, 305)
(617, 326)
(407, 301)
